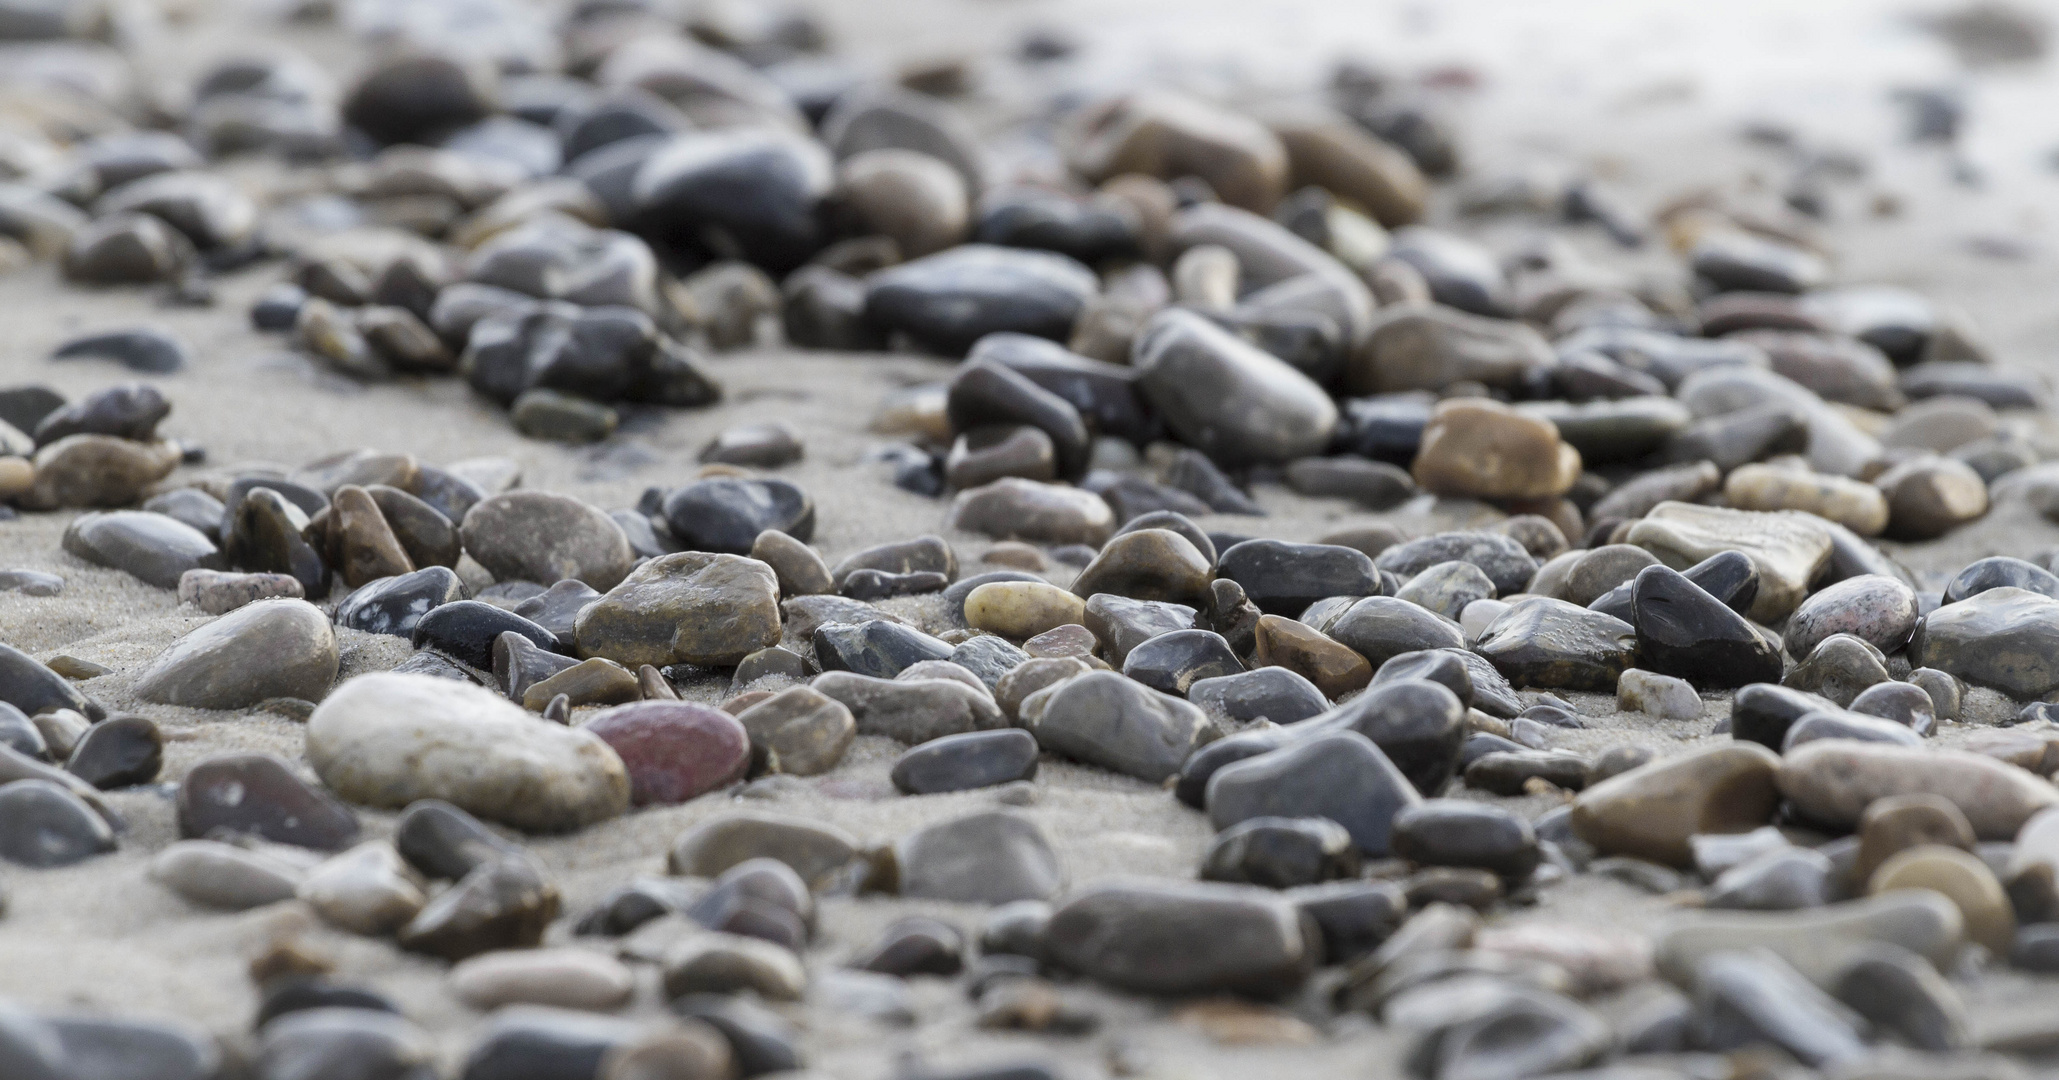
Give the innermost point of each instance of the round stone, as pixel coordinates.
(1477, 448)
(1453, 832)
(690, 607)
(1447, 588)
(726, 513)
(1877, 609)
(389, 739)
(798, 731)
(1148, 564)
(270, 649)
(1018, 509)
(987, 858)
(545, 537)
(949, 300)
(1652, 811)
(1964, 879)
(2006, 638)
(152, 547)
(674, 751)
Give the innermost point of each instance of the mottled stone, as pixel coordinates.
(913, 711)
(798, 731)
(260, 795)
(2005, 638)
(544, 537)
(1876, 609)
(1014, 508)
(690, 607)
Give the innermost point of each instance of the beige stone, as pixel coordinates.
(1856, 505)
(1479, 448)
(1787, 547)
(1022, 609)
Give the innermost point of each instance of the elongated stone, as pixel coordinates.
(1835, 781)
(1653, 811)
(1162, 937)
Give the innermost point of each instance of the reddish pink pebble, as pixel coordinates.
(674, 750)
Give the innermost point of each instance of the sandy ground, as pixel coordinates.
(100, 936)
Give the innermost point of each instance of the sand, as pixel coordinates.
(101, 937)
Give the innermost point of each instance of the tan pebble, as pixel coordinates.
(1964, 879)
(1022, 609)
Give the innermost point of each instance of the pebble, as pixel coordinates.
(545, 537)
(1269, 693)
(1170, 663)
(690, 607)
(42, 824)
(1332, 669)
(1451, 832)
(148, 349)
(218, 592)
(1879, 610)
(798, 731)
(366, 890)
(1834, 781)
(1684, 631)
(269, 649)
(1341, 775)
(1102, 718)
(1662, 696)
(949, 300)
(1018, 509)
(260, 795)
(1237, 938)
(799, 570)
(1755, 997)
(875, 647)
(564, 978)
(386, 740)
(986, 858)
(30, 686)
(1899, 992)
(342, 1041)
(91, 471)
(1905, 704)
(1781, 880)
(1839, 669)
(813, 850)
(990, 397)
(467, 630)
(2005, 638)
(1022, 609)
(674, 751)
(122, 751)
(1550, 643)
(1651, 812)
(730, 963)
(31, 582)
(152, 547)
(1929, 497)
(1788, 548)
(1192, 372)
(913, 711)
(1149, 564)
(1477, 448)
(1502, 558)
(760, 1040)
(1430, 347)
(1284, 578)
(964, 762)
(502, 904)
(1279, 853)
(265, 531)
(1961, 877)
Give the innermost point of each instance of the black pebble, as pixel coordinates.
(122, 751)
(973, 759)
(465, 629)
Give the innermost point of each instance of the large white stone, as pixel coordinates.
(389, 739)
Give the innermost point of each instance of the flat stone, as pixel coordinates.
(260, 795)
(565, 978)
(875, 647)
(1160, 937)
(557, 609)
(1017, 509)
(154, 548)
(2006, 638)
(1505, 561)
(690, 607)
(949, 300)
(1382, 627)
(988, 858)
(914, 711)
(386, 740)
(1819, 942)
(219, 592)
(988, 658)
(191, 506)
(813, 850)
(963, 762)
(1834, 781)
(1877, 609)
(1374, 484)
(1102, 718)
(1853, 504)
(1269, 693)
(545, 537)
(327, 1041)
(31, 582)
(273, 648)
(1788, 548)
(1652, 811)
